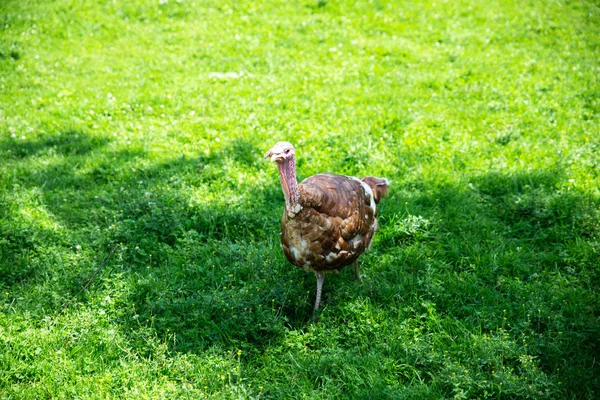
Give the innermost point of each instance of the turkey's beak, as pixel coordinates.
(274, 156)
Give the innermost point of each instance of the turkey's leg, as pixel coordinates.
(356, 271)
(320, 279)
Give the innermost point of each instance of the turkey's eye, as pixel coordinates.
(287, 151)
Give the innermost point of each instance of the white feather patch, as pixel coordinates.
(331, 257)
(295, 253)
(368, 192)
(355, 241)
(304, 245)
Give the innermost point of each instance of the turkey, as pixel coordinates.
(328, 220)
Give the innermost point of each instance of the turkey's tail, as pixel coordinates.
(379, 186)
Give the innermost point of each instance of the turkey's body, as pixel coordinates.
(328, 220)
(335, 225)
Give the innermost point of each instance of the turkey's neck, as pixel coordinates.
(289, 184)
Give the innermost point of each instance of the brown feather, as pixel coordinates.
(334, 227)
(329, 220)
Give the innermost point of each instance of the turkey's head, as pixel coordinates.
(282, 151)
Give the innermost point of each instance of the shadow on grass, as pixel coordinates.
(68, 143)
(205, 269)
(199, 267)
(513, 253)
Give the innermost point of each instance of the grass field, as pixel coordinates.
(138, 128)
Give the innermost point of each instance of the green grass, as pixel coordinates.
(141, 126)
